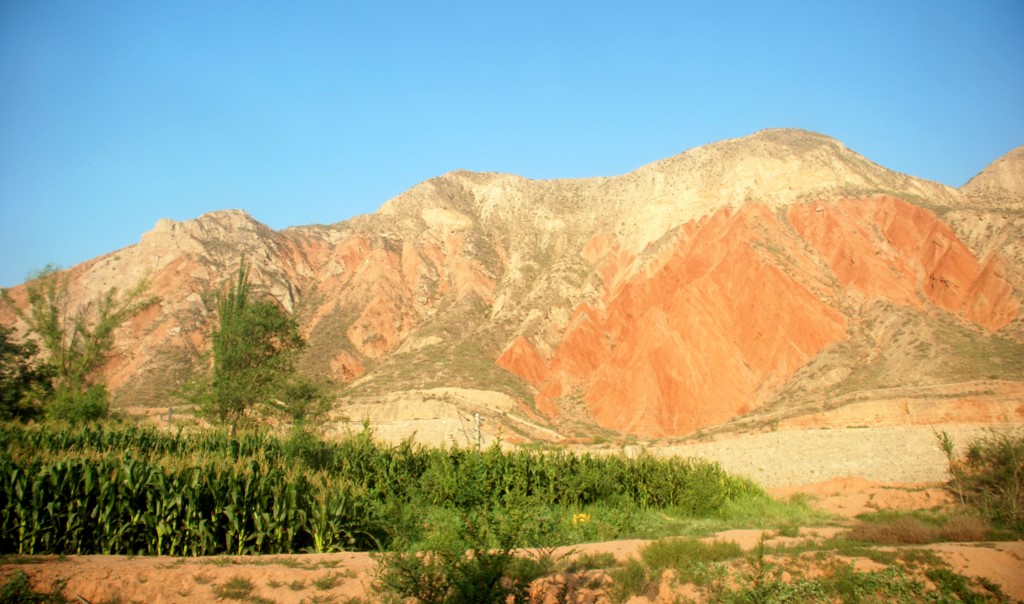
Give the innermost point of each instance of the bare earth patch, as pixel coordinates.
(849, 496)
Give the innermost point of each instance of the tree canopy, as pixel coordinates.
(254, 348)
(24, 383)
(77, 340)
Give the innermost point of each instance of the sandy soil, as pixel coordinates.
(787, 457)
(849, 496)
(346, 576)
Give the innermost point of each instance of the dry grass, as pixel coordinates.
(911, 530)
(905, 530)
(964, 528)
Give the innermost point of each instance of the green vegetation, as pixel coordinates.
(464, 360)
(723, 574)
(448, 525)
(969, 353)
(121, 490)
(23, 383)
(327, 581)
(990, 476)
(17, 590)
(689, 559)
(254, 349)
(65, 384)
(472, 563)
(235, 588)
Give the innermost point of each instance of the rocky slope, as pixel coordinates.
(736, 280)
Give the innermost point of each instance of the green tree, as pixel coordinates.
(254, 350)
(77, 340)
(24, 383)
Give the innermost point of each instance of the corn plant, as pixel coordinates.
(126, 490)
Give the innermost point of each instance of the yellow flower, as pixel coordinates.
(578, 519)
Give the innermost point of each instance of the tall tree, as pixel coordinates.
(24, 383)
(78, 339)
(254, 349)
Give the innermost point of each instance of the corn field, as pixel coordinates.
(129, 490)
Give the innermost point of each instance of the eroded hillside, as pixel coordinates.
(744, 276)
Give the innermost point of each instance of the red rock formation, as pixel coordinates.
(522, 359)
(694, 334)
(713, 324)
(887, 248)
(345, 367)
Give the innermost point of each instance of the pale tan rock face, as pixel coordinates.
(730, 279)
(1001, 184)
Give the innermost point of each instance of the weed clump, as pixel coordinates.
(989, 476)
(904, 530)
(18, 590)
(473, 563)
(964, 527)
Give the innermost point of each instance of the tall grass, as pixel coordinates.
(989, 476)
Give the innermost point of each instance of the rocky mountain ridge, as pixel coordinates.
(744, 276)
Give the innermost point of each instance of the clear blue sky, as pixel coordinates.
(115, 114)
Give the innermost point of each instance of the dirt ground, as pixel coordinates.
(348, 577)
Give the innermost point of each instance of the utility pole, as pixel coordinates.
(479, 435)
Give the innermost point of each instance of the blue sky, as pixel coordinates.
(116, 114)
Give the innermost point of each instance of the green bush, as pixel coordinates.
(79, 407)
(990, 475)
(687, 556)
(24, 383)
(632, 579)
(471, 563)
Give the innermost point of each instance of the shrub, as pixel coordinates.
(990, 475)
(303, 446)
(964, 528)
(687, 556)
(904, 530)
(78, 407)
(633, 579)
(471, 565)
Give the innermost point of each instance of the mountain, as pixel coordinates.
(1001, 184)
(744, 283)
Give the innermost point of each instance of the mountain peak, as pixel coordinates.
(1001, 183)
(774, 269)
(793, 137)
(781, 166)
